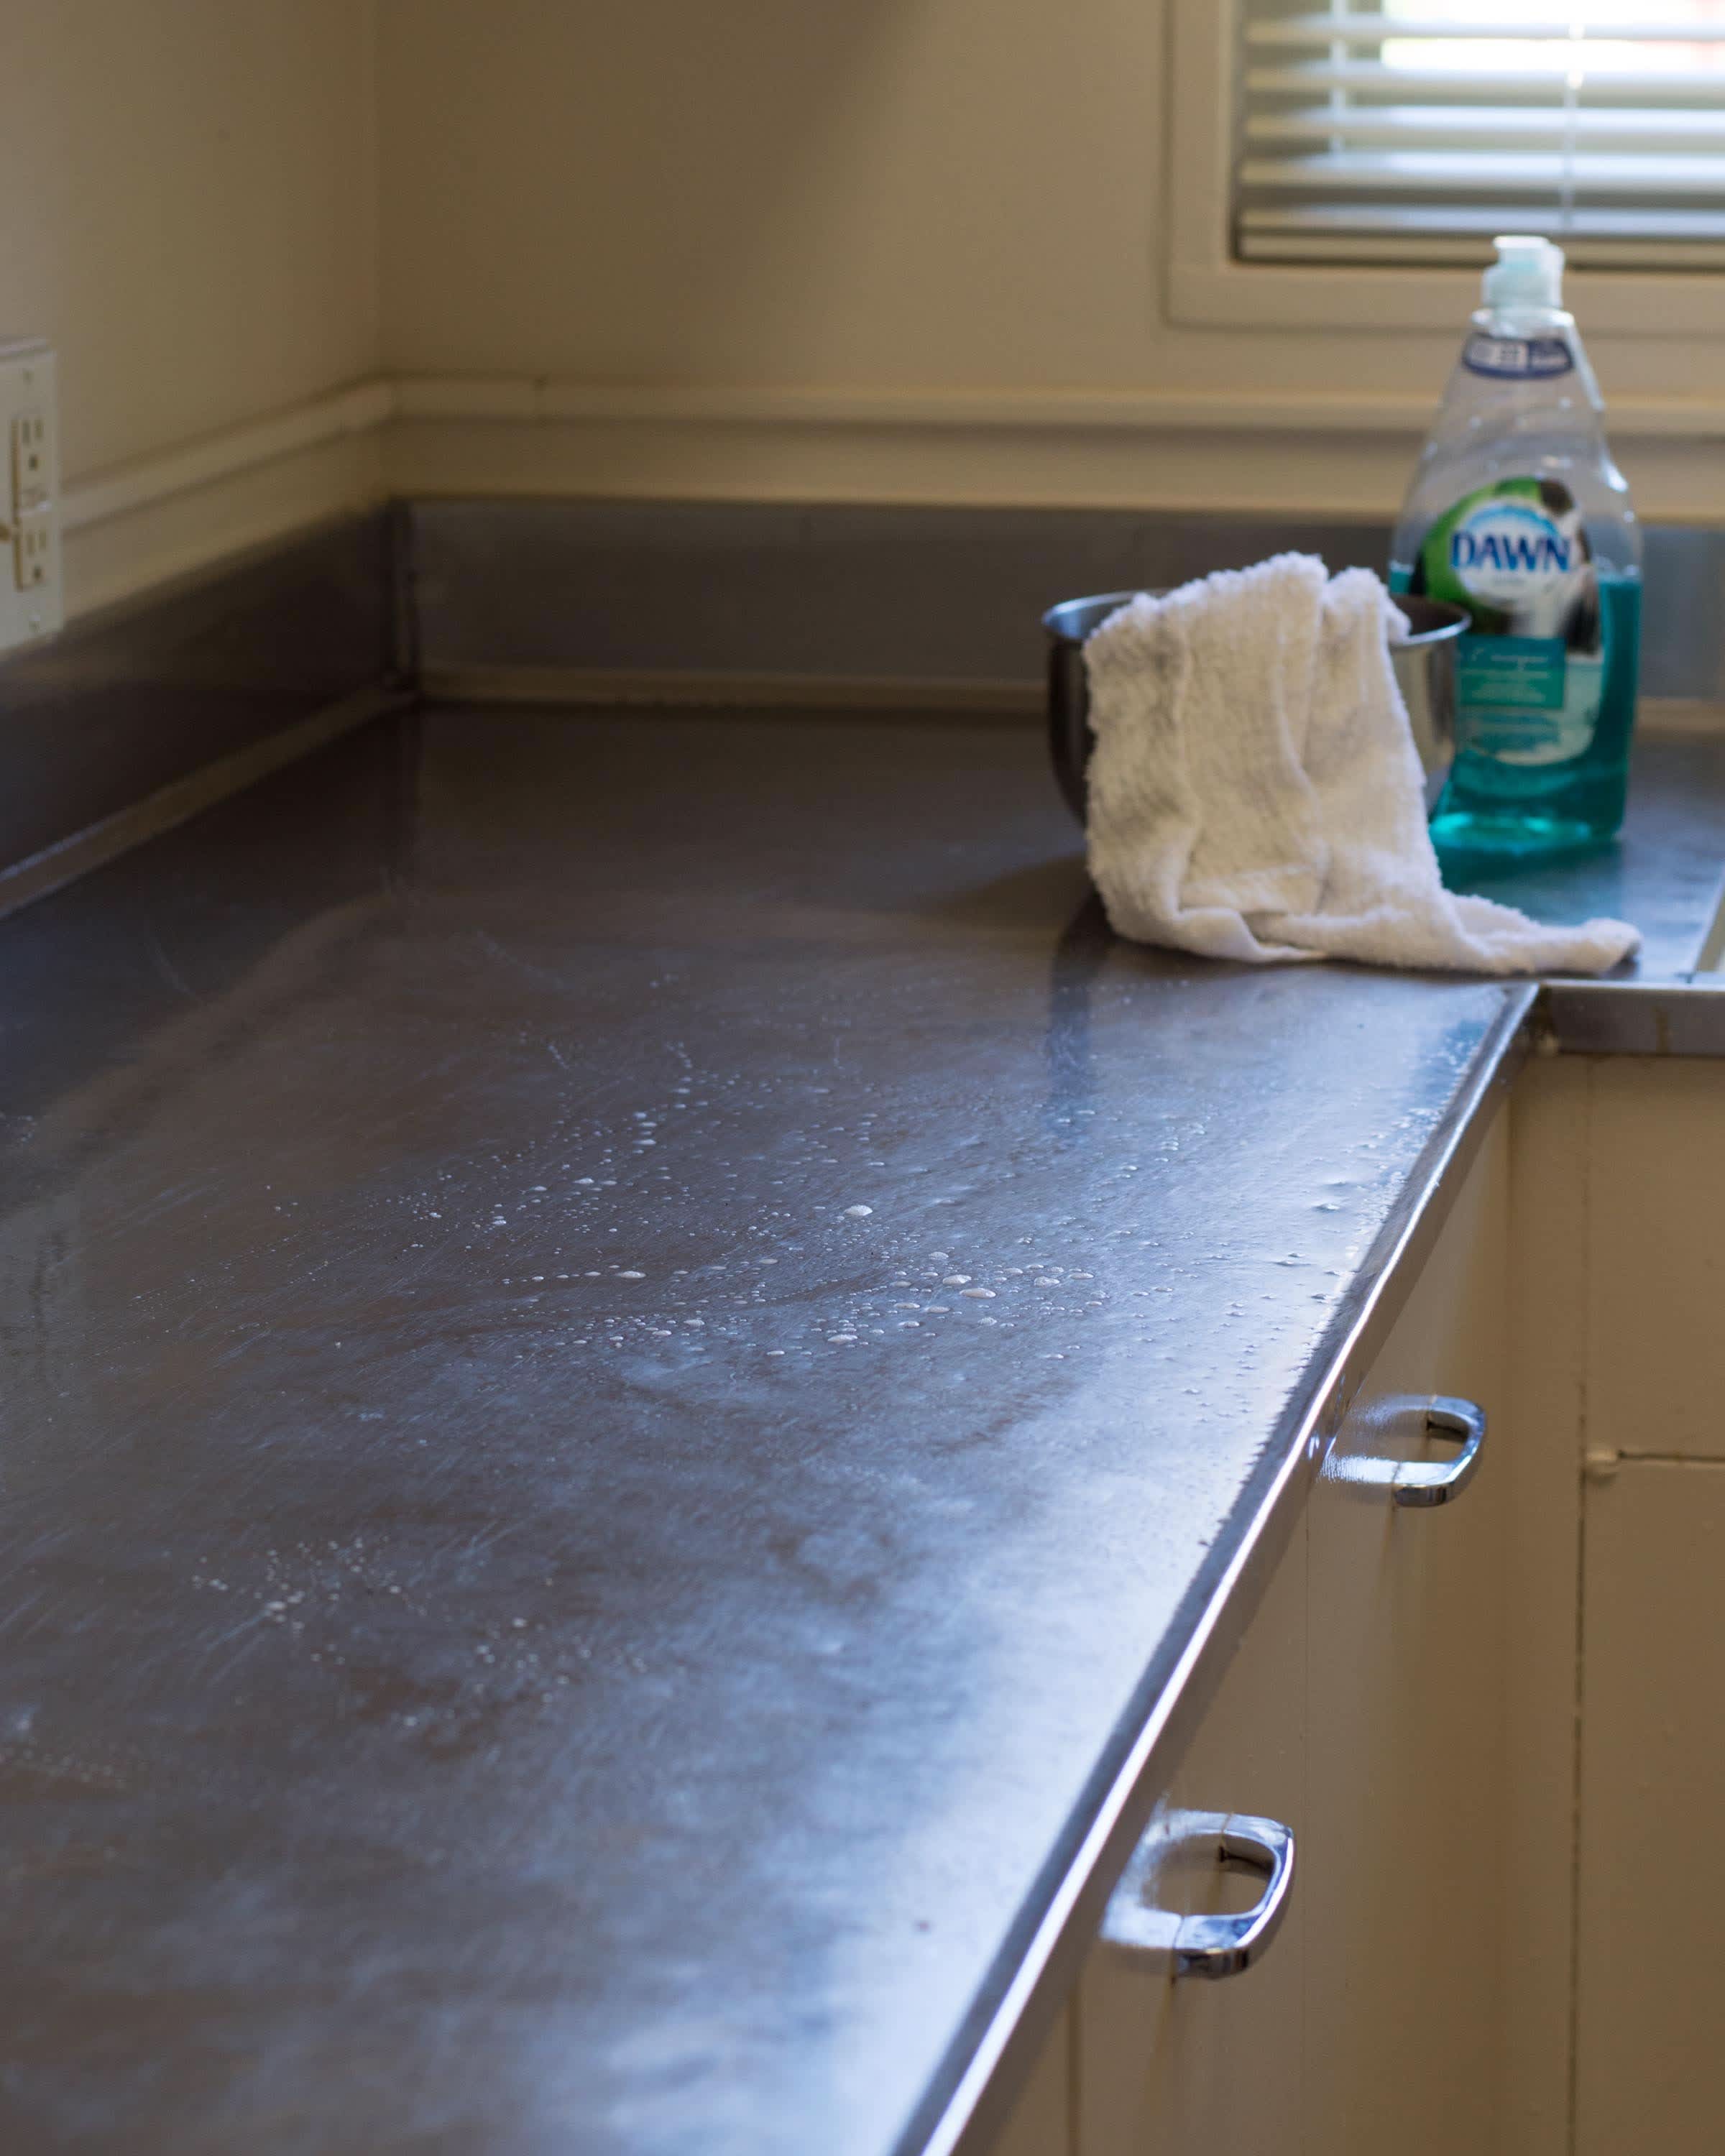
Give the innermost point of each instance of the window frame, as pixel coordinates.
(1207, 288)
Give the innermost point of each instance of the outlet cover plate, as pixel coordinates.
(31, 606)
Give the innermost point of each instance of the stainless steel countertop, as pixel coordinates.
(533, 1622)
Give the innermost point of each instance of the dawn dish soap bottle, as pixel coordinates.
(1518, 513)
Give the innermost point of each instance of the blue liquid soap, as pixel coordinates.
(1518, 513)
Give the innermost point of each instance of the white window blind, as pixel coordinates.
(1412, 130)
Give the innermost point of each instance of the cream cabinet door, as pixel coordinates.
(1406, 1769)
(1650, 2009)
(1649, 2068)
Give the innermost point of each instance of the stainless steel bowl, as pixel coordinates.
(1424, 665)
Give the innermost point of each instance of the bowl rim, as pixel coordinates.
(1457, 623)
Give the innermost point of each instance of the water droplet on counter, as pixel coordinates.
(979, 1294)
(858, 1212)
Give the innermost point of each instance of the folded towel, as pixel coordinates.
(1255, 794)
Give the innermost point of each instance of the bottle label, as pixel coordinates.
(1531, 674)
(1521, 672)
(1517, 358)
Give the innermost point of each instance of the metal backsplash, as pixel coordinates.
(565, 598)
(187, 694)
(139, 716)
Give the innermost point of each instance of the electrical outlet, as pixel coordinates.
(30, 445)
(32, 551)
(30, 604)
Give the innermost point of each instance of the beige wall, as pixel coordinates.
(902, 250)
(186, 209)
(888, 192)
(947, 194)
(784, 209)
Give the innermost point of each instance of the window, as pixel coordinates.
(1409, 131)
(1343, 164)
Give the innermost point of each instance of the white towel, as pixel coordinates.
(1255, 794)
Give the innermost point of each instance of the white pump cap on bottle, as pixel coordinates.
(1528, 273)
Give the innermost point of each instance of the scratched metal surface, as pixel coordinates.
(627, 1338)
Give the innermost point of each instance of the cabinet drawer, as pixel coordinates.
(1177, 2066)
(1406, 1769)
(1363, 1710)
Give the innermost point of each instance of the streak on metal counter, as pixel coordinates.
(616, 1391)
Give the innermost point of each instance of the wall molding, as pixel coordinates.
(541, 399)
(1320, 452)
(142, 524)
(139, 525)
(146, 480)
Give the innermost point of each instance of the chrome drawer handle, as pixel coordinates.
(1202, 1946)
(1436, 1481)
(1421, 1482)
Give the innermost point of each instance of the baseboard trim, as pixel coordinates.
(541, 399)
(1237, 470)
(143, 524)
(356, 409)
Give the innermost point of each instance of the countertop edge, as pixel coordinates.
(1684, 1017)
